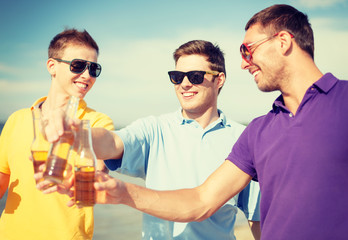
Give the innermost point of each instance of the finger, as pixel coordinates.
(64, 190)
(42, 167)
(75, 124)
(68, 173)
(46, 187)
(38, 176)
(70, 203)
(101, 176)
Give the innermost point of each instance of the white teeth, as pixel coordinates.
(255, 73)
(82, 85)
(188, 94)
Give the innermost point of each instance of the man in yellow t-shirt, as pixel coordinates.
(30, 214)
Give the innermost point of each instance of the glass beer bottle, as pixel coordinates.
(40, 146)
(59, 152)
(85, 163)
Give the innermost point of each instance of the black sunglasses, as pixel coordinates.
(195, 77)
(79, 66)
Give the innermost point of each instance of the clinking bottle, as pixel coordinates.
(85, 164)
(59, 152)
(40, 146)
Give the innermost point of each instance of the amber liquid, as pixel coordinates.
(57, 160)
(84, 186)
(39, 157)
(55, 167)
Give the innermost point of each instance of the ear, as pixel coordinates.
(51, 66)
(221, 79)
(285, 42)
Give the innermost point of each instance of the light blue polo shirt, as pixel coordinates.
(171, 152)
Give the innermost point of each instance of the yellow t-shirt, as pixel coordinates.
(30, 214)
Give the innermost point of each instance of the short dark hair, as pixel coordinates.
(281, 17)
(70, 36)
(200, 47)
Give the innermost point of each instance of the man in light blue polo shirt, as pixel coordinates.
(181, 149)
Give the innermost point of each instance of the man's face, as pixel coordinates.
(71, 83)
(265, 64)
(196, 99)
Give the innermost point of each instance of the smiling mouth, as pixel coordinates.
(81, 85)
(188, 94)
(255, 73)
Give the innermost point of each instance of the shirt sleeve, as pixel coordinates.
(102, 120)
(136, 140)
(242, 154)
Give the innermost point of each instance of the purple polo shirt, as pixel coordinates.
(301, 163)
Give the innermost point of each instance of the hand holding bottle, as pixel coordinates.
(59, 152)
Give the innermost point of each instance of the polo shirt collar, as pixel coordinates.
(324, 85)
(326, 82)
(181, 120)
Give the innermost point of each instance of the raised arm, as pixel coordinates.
(106, 144)
(182, 205)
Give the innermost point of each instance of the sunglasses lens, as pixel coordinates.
(245, 52)
(176, 77)
(78, 66)
(94, 70)
(196, 77)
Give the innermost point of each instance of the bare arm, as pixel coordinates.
(255, 229)
(106, 144)
(182, 205)
(4, 180)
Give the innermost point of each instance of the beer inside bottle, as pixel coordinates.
(59, 152)
(85, 162)
(84, 186)
(39, 157)
(39, 146)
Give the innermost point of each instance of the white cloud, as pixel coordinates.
(6, 69)
(15, 87)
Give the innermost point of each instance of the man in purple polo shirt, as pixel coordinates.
(298, 151)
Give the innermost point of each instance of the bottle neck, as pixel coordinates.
(85, 137)
(36, 113)
(72, 107)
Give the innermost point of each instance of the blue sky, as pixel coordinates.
(136, 40)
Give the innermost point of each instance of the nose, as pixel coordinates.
(85, 73)
(186, 82)
(245, 64)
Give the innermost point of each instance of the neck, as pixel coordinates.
(297, 85)
(205, 118)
